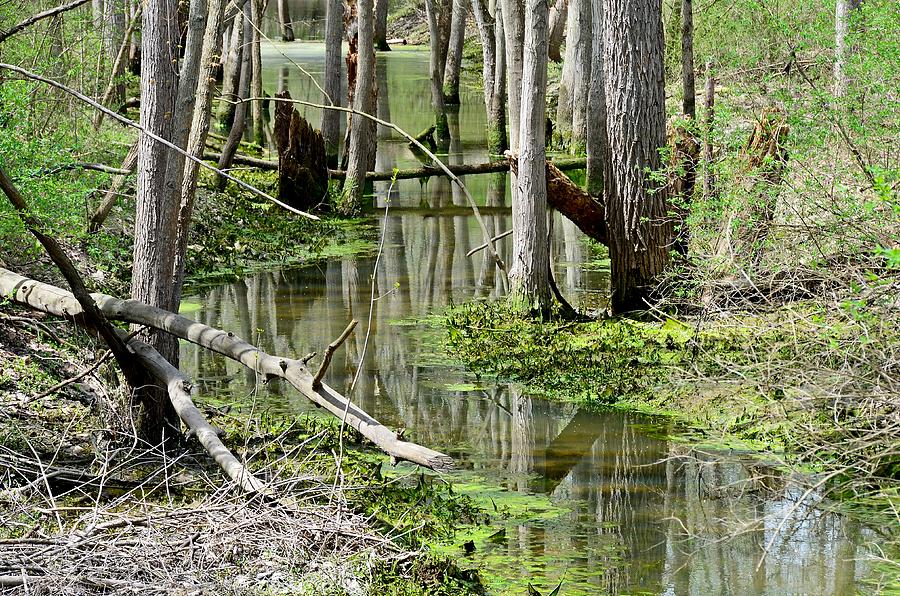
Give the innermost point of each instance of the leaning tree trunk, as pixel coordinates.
(359, 150)
(156, 209)
(232, 71)
(596, 124)
(381, 17)
(454, 52)
(558, 16)
(529, 275)
(240, 113)
(640, 231)
(842, 16)
(284, 18)
(331, 119)
(571, 116)
(436, 73)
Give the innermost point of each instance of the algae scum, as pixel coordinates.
(601, 501)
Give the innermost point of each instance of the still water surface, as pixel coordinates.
(612, 504)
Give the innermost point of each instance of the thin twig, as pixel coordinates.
(329, 352)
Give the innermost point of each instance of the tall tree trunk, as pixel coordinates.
(558, 15)
(687, 60)
(499, 140)
(571, 118)
(455, 51)
(331, 119)
(256, 108)
(232, 70)
(240, 113)
(493, 91)
(709, 104)
(155, 216)
(359, 149)
(596, 125)
(284, 18)
(514, 32)
(444, 12)
(640, 231)
(436, 72)
(842, 15)
(208, 65)
(529, 275)
(381, 16)
(114, 36)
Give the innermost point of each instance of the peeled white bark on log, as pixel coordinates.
(57, 301)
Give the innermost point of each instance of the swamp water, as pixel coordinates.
(605, 502)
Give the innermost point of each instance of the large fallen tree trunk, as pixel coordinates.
(53, 300)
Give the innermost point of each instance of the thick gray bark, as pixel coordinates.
(514, 32)
(155, 215)
(689, 106)
(558, 15)
(529, 275)
(571, 111)
(331, 119)
(455, 51)
(640, 231)
(200, 122)
(363, 95)
(435, 68)
(240, 112)
(499, 140)
(231, 70)
(494, 103)
(596, 124)
(842, 15)
(381, 15)
(284, 18)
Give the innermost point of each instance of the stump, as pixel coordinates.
(302, 166)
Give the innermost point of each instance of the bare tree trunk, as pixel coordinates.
(558, 16)
(596, 125)
(687, 60)
(709, 104)
(155, 217)
(114, 35)
(499, 140)
(436, 72)
(571, 118)
(842, 15)
(640, 231)
(256, 108)
(494, 104)
(284, 18)
(196, 140)
(454, 52)
(381, 15)
(331, 119)
(358, 151)
(240, 112)
(232, 71)
(444, 12)
(514, 30)
(529, 275)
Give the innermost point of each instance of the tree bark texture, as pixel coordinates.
(231, 71)
(240, 113)
(302, 168)
(843, 13)
(571, 111)
(494, 103)
(381, 17)
(689, 107)
(256, 107)
(514, 30)
(284, 18)
(331, 119)
(455, 51)
(640, 231)
(156, 210)
(596, 143)
(499, 119)
(709, 113)
(558, 15)
(436, 72)
(363, 95)
(529, 274)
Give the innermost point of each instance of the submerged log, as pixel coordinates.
(302, 167)
(53, 300)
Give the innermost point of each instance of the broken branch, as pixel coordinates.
(329, 352)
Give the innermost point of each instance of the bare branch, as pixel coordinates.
(40, 16)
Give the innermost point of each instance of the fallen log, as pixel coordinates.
(406, 174)
(59, 302)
